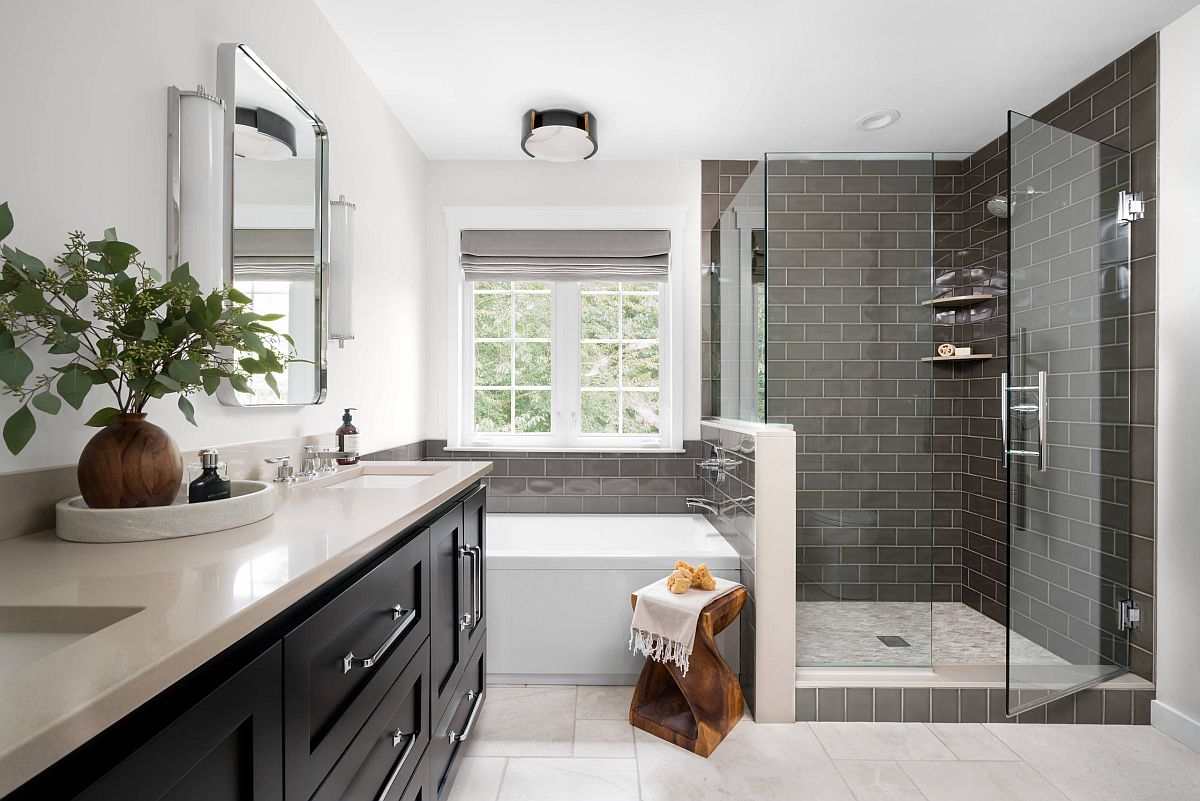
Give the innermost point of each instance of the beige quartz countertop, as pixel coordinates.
(196, 596)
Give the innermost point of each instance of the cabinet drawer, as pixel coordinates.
(454, 730)
(384, 756)
(338, 664)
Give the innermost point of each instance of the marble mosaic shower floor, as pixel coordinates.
(846, 634)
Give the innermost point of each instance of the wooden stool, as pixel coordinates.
(695, 711)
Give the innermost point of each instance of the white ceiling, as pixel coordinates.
(705, 79)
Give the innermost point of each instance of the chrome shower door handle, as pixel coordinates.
(1042, 402)
(1004, 415)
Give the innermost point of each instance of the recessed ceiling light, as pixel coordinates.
(559, 135)
(877, 119)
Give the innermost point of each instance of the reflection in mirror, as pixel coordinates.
(277, 161)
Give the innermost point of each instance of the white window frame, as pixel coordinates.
(564, 434)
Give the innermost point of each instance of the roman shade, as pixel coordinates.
(565, 255)
(279, 254)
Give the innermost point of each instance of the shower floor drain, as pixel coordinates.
(892, 641)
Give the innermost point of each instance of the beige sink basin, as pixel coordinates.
(27, 633)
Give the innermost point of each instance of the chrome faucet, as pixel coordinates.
(321, 459)
(718, 464)
(703, 503)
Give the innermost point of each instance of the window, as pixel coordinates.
(562, 364)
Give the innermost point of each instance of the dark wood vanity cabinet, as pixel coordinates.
(367, 691)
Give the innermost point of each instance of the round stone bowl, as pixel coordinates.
(250, 502)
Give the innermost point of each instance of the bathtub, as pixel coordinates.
(558, 590)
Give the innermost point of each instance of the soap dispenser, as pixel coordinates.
(347, 438)
(210, 485)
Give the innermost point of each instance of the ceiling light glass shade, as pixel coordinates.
(196, 186)
(341, 270)
(559, 135)
(261, 134)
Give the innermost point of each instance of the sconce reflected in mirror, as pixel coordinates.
(196, 185)
(341, 270)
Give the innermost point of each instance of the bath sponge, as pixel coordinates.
(702, 579)
(679, 582)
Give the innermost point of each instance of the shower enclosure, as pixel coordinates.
(969, 509)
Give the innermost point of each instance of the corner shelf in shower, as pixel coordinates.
(956, 301)
(974, 357)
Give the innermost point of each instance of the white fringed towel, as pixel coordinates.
(664, 624)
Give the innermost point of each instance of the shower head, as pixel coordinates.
(998, 206)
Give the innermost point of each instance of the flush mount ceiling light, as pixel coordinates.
(558, 134)
(259, 133)
(877, 119)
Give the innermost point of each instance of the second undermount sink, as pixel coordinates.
(27, 633)
(380, 481)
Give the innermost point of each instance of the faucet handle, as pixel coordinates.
(285, 471)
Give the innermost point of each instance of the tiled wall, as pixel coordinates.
(1116, 105)
(849, 245)
(577, 483)
(734, 496)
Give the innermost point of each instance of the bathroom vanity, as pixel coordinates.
(334, 651)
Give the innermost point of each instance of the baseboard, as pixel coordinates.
(600, 679)
(1176, 724)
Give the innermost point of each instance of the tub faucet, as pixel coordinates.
(703, 503)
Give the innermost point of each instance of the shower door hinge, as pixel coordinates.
(1130, 207)
(1129, 616)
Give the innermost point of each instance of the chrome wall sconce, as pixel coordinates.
(341, 270)
(196, 185)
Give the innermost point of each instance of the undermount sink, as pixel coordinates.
(380, 481)
(27, 633)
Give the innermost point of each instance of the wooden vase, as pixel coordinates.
(130, 463)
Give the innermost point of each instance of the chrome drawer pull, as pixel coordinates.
(477, 584)
(398, 737)
(406, 617)
(476, 697)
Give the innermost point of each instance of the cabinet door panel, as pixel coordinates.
(225, 747)
(446, 564)
(454, 730)
(475, 587)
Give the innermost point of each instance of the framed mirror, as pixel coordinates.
(276, 153)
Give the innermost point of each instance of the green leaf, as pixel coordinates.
(7, 341)
(74, 385)
(168, 382)
(185, 371)
(272, 383)
(15, 367)
(189, 412)
(240, 384)
(73, 325)
(215, 307)
(270, 318)
(47, 402)
(32, 264)
(211, 381)
(103, 417)
(64, 344)
(150, 330)
(76, 290)
(28, 299)
(6, 220)
(118, 253)
(245, 318)
(239, 297)
(18, 429)
(181, 273)
(103, 376)
(251, 342)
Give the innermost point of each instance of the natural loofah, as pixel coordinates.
(702, 579)
(682, 565)
(679, 582)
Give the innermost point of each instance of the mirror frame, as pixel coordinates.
(227, 61)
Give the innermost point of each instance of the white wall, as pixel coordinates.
(84, 147)
(1177, 710)
(586, 183)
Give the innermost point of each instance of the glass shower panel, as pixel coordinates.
(849, 260)
(738, 293)
(1065, 399)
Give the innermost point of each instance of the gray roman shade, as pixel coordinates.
(558, 255)
(280, 254)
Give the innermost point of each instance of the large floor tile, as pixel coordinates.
(575, 779)
(603, 703)
(478, 779)
(1098, 763)
(761, 762)
(880, 741)
(972, 741)
(603, 738)
(980, 781)
(877, 781)
(525, 722)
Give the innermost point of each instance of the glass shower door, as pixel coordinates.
(1066, 414)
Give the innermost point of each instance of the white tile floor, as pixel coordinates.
(573, 744)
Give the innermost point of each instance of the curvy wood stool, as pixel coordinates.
(695, 711)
